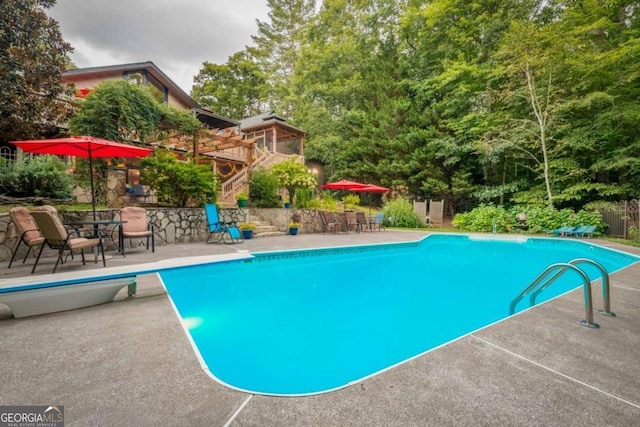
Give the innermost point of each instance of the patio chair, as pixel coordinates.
(138, 191)
(26, 230)
(361, 219)
(352, 221)
(219, 231)
(135, 225)
(378, 221)
(56, 237)
(328, 223)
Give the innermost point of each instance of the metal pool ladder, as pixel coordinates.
(553, 272)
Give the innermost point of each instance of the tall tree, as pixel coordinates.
(33, 56)
(451, 43)
(277, 47)
(232, 89)
(348, 81)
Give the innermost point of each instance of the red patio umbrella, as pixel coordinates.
(83, 146)
(370, 188)
(343, 184)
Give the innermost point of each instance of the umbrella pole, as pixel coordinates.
(93, 195)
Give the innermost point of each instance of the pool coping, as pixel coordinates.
(385, 246)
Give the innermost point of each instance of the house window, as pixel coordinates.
(133, 176)
(142, 78)
(7, 157)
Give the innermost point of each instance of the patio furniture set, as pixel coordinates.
(44, 227)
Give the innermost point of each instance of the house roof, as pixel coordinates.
(109, 71)
(213, 120)
(265, 120)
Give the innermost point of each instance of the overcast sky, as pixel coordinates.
(177, 35)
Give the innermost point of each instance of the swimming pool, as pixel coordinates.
(305, 322)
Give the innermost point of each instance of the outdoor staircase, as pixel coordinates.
(240, 181)
(264, 229)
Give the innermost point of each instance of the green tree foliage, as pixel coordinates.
(33, 56)
(263, 189)
(119, 110)
(179, 183)
(293, 175)
(276, 50)
(40, 176)
(517, 101)
(232, 89)
(351, 99)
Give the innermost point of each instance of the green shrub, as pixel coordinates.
(351, 200)
(40, 176)
(179, 183)
(400, 213)
(303, 198)
(293, 175)
(263, 189)
(538, 219)
(483, 218)
(328, 202)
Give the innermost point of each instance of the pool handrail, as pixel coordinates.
(558, 269)
(606, 295)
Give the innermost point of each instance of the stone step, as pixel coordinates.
(269, 234)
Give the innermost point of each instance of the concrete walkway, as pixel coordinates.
(129, 363)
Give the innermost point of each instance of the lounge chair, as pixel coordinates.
(587, 231)
(135, 225)
(225, 232)
(56, 237)
(575, 231)
(561, 231)
(27, 231)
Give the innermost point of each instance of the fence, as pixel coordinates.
(620, 217)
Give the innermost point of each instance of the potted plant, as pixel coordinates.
(247, 229)
(242, 199)
(293, 228)
(287, 203)
(294, 224)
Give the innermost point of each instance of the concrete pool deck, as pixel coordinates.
(130, 362)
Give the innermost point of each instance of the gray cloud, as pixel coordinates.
(177, 35)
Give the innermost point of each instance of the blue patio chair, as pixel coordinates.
(587, 232)
(561, 231)
(577, 232)
(378, 221)
(225, 232)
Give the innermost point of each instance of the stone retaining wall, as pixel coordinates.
(173, 225)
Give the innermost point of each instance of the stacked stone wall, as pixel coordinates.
(174, 225)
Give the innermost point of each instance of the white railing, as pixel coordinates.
(232, 186)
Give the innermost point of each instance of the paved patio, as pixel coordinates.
(130, 363)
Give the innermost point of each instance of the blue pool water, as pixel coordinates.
(300, 322)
